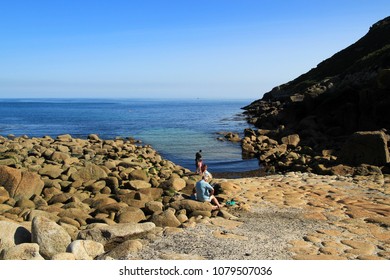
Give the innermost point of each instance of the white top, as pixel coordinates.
(208, 175)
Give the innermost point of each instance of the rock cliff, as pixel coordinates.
(345, 94)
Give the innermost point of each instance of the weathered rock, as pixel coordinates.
(12, 234)
(359, 247)
(274, 152)
(8, 161)
(59, 156)
(35, 213)
(228, 188)
(89, 172)
(53, 171)
(60, 198)
(112, 182)
(99, 201)
(85, 249)
(75, 213)
(96, 187)
(368, 147)
(72, 230)
(367, 170)
(165, 219)
(138, 184)
(153, 207)
(64, 138)
(25, 203)
(111, 208)
(4, 207)
(291, 140)
(134, 199)
(191, 205)
(182, 217)
(20, 183)
(201, 213)
(93, 137)
(152, 193)
(25, 251)
(64, 257)
(123, 250)
(51, 237)
(69, 221)
(104, 233)
(233, 137)
(226, 215)
(176, 184)
(248, 148)
(139, 174)
(130, 215)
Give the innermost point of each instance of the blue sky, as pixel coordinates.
(170, 49)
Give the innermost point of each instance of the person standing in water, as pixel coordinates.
(198, 161)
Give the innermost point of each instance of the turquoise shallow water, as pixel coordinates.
(175, 128)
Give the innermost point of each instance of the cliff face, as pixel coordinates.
(346, 93)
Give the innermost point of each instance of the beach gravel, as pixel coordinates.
(264, 234)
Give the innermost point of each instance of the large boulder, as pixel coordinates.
(124, 250)
(105, 233)
(20, 184)
(64, 138)
(51, 170)
(152, 193)
(89, 172)
(59, 156)
(138, 184)
(153, 207)
(366, 147)
(191, 205)
(139, 174)
(130, 215)
(85, 249)
(12, 234)
(165, 219)
(291, 140)
(51, 237)
(25, 251)
(174, 183)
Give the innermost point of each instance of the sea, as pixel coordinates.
(176, 128)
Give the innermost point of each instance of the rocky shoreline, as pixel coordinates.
(69, 198)
(331, 120)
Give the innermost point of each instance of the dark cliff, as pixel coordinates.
(348, 92)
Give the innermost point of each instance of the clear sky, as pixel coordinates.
(169, 49)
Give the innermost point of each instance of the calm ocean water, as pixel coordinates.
(175, 128)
